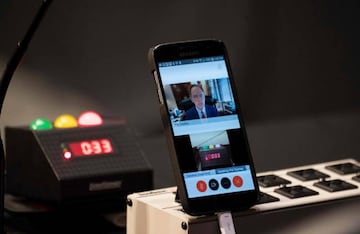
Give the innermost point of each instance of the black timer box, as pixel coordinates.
(93, 167)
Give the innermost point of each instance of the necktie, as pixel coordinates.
(203, 115)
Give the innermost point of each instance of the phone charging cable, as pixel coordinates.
(226, 223)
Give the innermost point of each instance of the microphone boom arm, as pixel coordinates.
(4, 84)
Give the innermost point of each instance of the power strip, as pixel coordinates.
(310, 184)
(157, 212)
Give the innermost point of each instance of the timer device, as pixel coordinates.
(95, 167)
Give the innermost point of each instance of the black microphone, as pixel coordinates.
(4, 84)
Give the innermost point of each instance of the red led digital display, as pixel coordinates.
(212, 156)
(91, 147)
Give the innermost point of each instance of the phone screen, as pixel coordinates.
(204, 113)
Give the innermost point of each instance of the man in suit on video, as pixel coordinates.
(200, 110)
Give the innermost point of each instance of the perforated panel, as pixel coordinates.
(126, 156)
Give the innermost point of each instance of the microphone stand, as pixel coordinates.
(4, 84)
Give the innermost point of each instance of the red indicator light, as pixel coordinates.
(91, 147)
(67, 155)
(89, 118)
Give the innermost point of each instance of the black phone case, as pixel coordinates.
(187, 205)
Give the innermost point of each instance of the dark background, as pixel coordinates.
(296, 65)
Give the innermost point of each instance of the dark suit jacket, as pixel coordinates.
(192, 113)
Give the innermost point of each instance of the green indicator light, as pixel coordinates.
(205, 147)
(40, 124)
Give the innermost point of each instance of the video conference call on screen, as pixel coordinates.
(196, 85)
(201, 106)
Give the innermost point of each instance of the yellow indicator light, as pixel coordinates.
(65, 121)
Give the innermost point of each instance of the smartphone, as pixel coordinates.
(204, 127)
